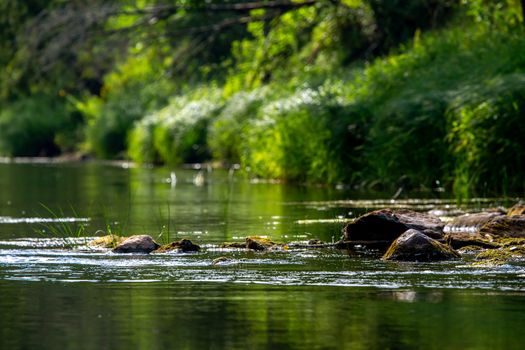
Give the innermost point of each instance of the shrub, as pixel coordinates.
(136, 88)
(227, 132)
(487, 138)
(39, 125)
(295, 137)
(177, 133)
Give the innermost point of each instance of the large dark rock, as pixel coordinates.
(470, 223)
(416, 246)
(387, 225)
(137, 244)
(504, 226)
(183, 245)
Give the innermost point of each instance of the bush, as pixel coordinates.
(487, 139)
(39, 125)
(426, 101)
(228, 131)
(295, 138)
(177, 133)
(135, 89)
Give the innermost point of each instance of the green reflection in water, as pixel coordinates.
(299, 300)
(187, 316)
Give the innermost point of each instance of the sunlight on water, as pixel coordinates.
(55, 289)
(11, 220)
(43, 260)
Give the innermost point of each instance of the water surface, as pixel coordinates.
(57, 293)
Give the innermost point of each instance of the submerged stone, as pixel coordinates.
(220, 260)
(416, 246)
(137, 244)
(387, 225)
(183, 245)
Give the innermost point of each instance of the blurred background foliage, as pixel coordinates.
(370, 93)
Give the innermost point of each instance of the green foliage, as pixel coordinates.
(295, 137)
(301, 94)
(177, 133)
(36, 126)
(420, 99)
(134, 90)
(487, 138)
(227, 134)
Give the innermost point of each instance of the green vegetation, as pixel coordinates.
(375, 93)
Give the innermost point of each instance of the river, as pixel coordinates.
(56, 293)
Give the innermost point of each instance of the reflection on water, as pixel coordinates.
(58, 293)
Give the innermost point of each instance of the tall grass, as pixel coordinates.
(446, 108)
(294, 137)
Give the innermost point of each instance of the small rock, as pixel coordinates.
(137, 244)
(504, 226)
(387, 225)
(517, 209)
(259, 243)
(184, 245)
(254, 244)
(315, 242)
(220, 260)
(416, 246)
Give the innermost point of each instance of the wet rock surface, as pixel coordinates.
(387, 225)
(460, 240)
(504, 226)
(470, 223)
(413, 245)
(137, 244)
(518, 209)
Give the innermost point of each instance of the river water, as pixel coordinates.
(56, 293)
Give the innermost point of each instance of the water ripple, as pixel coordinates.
(22, 262)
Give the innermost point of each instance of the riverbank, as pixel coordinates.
(440, 111)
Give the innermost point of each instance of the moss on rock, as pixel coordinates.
(109, 241)
(416, 246)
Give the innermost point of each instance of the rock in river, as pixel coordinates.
(387, 225)
(518, 209)
(137, 244)
(504, 226)
(470, 223)
(184, 245)
(416, 246)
